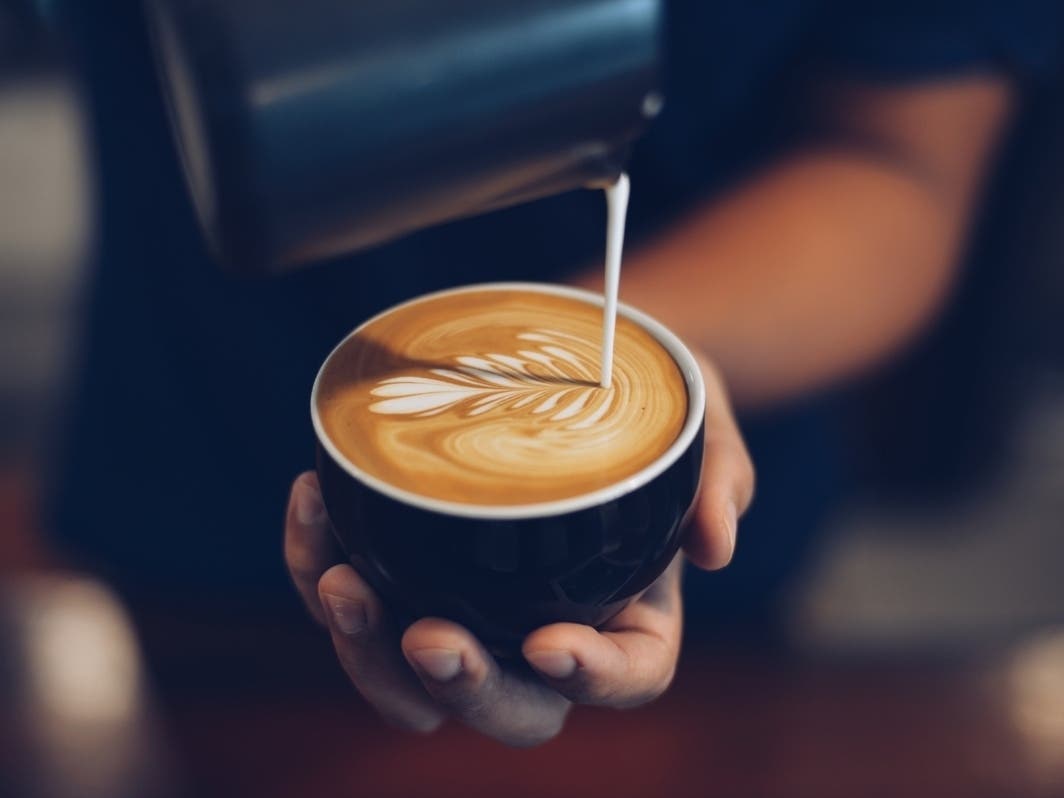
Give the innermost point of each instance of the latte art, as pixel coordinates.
(555, 377)
(492, 397)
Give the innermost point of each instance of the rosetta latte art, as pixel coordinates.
(555, 378)
(493, 397)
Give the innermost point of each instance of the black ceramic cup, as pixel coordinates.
(504, 571)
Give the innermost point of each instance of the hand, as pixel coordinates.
(436, 668)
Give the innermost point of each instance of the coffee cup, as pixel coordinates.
(474, 470)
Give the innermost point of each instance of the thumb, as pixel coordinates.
(727, 480)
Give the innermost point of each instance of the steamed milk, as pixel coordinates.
(616, 214)
(493, 397)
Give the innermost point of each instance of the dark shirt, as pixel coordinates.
(191, 411)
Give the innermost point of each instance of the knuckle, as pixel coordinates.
(355, 641)
(741, 462)
(644, 681)
(746, 466)
(729, 452)
(748, 475)
(307, 478)
(732, 466)
(719, 443)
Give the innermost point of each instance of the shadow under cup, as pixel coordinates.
(504, 571)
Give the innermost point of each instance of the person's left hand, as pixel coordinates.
(437, 668)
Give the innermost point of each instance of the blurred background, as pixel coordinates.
(918, 650)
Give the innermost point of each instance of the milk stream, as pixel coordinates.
(617, 213)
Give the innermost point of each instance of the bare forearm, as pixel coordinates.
(818, 268)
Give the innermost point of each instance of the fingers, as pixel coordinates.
(367, 645)
(366, 642)
(309, 548)
(517, 710)
(727, 481)
(466, 680)
(632, 661)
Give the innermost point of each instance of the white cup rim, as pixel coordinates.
(681, 355)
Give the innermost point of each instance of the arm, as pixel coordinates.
(814, 269)
(437, 669)
(832, 258)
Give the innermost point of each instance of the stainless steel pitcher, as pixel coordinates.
(311, 128)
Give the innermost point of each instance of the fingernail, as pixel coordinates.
(310, 511)
(731, 525)
(441, 664)
(349, 616)
(555, 664)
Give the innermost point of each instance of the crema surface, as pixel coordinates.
(491, 397)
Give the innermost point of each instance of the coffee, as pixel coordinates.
(491, 397)
(474, 469)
